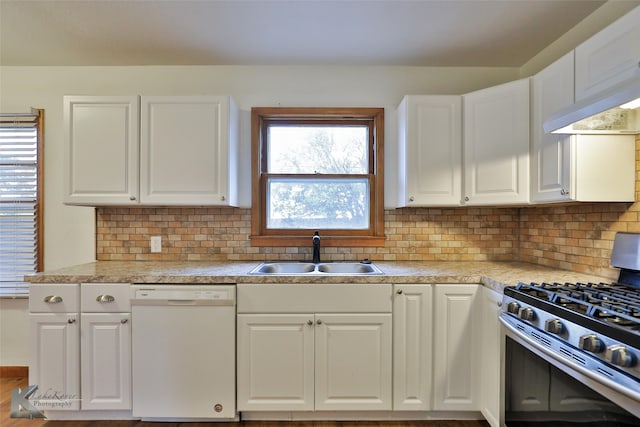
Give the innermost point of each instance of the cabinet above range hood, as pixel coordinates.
(601, 113)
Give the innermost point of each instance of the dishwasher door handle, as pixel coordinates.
(182, 302)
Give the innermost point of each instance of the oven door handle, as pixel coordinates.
(525, 340)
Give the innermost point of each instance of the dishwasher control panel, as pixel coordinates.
(184, 294)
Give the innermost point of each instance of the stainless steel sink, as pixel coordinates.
(324, 268)
(348, 268)
(284, 268)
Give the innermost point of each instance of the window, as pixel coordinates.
(317, 169)
(21, 190)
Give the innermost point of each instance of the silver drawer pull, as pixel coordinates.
(52, 299)
(105, 298)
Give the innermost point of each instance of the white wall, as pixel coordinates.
(70, 232)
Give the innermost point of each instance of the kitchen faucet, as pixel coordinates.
(316, 247)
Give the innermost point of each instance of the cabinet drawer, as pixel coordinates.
(314, 298)
(54, 298)
(105, 297)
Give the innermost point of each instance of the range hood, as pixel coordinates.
(600, 114)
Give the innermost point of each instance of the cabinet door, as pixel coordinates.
(101, 150)
(55, 360)
(412, 326)
(610, 57)
(185, 150)
(496, 144)
(552, 90)
(275, 362)
(456, 350)
(492, 354)
(430, 151)
(353, 362)
(603, 168)
(106, 360)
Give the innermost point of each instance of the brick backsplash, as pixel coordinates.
(413, 234)
(576, 237)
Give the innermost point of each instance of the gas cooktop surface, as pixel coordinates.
(610, 303)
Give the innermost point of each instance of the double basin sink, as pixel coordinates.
(307, 268)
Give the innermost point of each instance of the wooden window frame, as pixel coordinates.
(260, 235)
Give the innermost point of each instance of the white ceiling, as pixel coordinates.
(283, 32)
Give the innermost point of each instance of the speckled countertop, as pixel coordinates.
(495, 275)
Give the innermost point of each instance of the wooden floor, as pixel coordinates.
(8, 384)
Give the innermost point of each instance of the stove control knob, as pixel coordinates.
(527, 314)
(619, 355)
(554, 326)
(591, 343)
(513, 307)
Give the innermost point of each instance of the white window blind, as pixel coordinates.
(19, 202)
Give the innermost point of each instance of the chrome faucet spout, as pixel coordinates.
(316, 247)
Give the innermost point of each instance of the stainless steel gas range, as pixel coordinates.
(573, 349)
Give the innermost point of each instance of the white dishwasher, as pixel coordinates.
(183, 352)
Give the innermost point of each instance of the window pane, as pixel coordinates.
(318, 149)
(318, 203)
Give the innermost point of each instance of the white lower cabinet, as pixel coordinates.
(275, 362)
(106, 361)
(304, 362)
(456, 349)
(412, 347)
(80, 360)
(105, 336)
(54, 360)
(54, 335)
(492, 351)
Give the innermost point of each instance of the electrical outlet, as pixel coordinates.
(156, 244)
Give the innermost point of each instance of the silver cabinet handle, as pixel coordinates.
(132, 198)
(123, 321)
(411, 199)
(223, 198)
(319, 322)
(563, 192)
(399, 292)
(105, 298)
(309, 322)
(52, 299)
(466, 198)
(71, 321)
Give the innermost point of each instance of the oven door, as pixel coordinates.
(543, 389)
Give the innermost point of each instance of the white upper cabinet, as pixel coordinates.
(585, 168)
(169, 150)
(602, 168)
(610, 57)
(552, 90)
(496, 144)
(101, 151)
(186, 157)
(430, 150)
